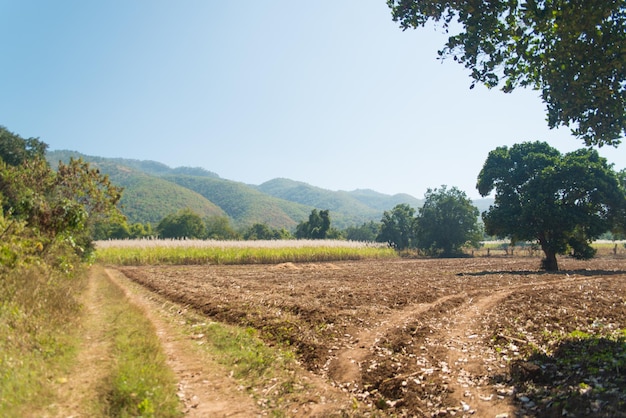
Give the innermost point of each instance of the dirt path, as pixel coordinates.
(77, 391)
(204, 387)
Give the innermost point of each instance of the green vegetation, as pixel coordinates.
(317, 227)
(447, 222)
(572, 51)
(347, 208)
(398, 227)
(242, 203)
(366, 232)
(139, 382)
(563, 202)
(146, 252)
(46, 219)
(37, 335)
(183, 224)
(148, 199)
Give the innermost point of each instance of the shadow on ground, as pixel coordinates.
(582, 377)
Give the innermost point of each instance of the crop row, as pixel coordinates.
(149, 252)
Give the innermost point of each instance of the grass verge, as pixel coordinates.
(38, 342)
(270, 374)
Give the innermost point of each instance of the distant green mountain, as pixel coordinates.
(146, 198)
(244, 204)
(344, 208)
(146, 166)
(153, 190)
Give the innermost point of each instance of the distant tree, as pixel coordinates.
(562, 202)
(398, 227)
(260, 231)
(218, 227)
(317, 227)
(117, 229)
(366, 232)
(447, 222)
(139, 230)
(120, 229)
(183, 224)
(572, 51)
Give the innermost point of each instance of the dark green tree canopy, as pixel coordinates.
(14, 149)
(259, 231)
(563, 202)
(570, 50)
(183, 224)
(317, 227)
(447, 222)
(366, 232)
(398, 227)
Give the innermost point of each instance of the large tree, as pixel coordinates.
(570, 50)
(561, 201)
(447, 222)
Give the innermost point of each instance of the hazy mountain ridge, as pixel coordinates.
(153, 190)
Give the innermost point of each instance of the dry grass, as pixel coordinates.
(181, 252)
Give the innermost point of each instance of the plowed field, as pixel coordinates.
(475, 336)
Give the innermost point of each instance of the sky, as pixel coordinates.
(330, 92)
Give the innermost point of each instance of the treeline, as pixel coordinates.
(446, 224)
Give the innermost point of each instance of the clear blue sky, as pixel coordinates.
(331, 93)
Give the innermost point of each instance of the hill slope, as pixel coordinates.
(153, 190)
(146, 198)
(244, 204)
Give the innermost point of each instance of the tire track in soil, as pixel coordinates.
(466, 363)
(470, 364)
(345, 367)
(204, 387)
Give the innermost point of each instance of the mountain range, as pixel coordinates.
(153, 190)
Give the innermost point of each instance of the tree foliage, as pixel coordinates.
(562, 202)
(183, 224)
(447, 222)
(62, 205)
(398, 227)
(570, 50)
(366, 232)
(317, 227)
(260, 231)
(15, 150)
(219, 227)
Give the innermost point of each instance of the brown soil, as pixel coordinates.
(462, 337)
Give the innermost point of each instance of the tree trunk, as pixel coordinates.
(549, 263)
